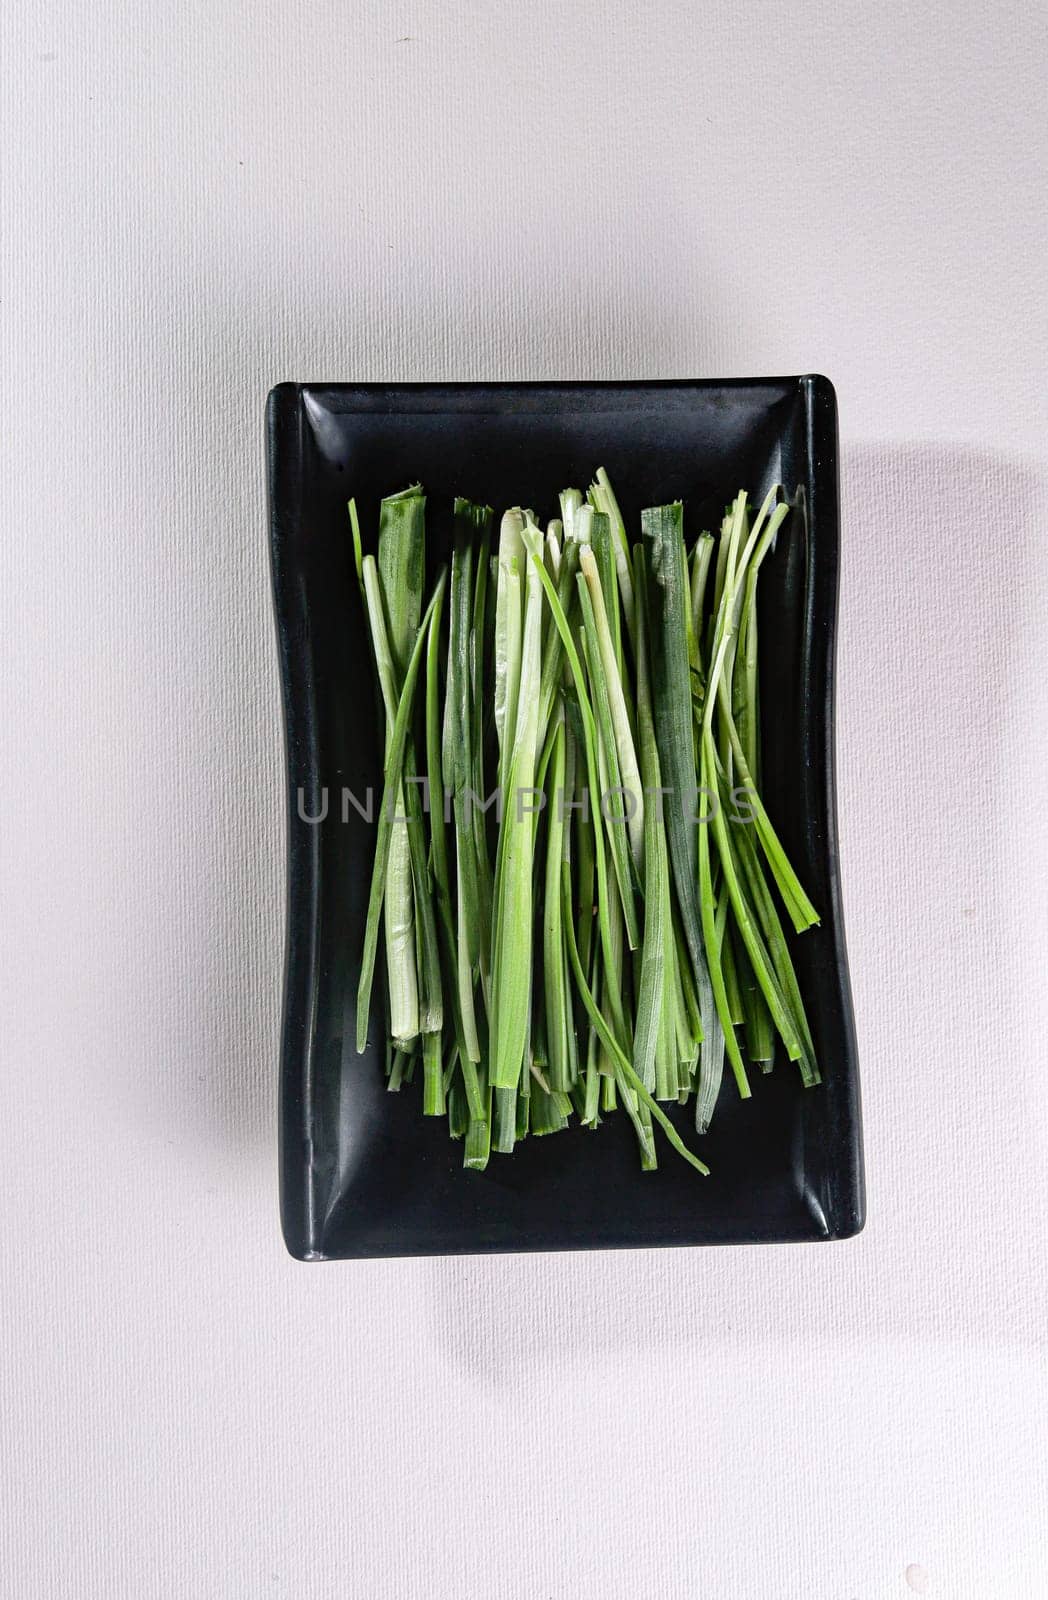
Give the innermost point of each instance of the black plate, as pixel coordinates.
(362, 1173)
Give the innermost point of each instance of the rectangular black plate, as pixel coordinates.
(362, 1173)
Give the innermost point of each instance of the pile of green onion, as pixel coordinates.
(610, 927)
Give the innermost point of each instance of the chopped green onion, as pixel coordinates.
(395, 750)
(612, 694)
(520, 675)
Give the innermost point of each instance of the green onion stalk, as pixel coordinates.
(622, 924)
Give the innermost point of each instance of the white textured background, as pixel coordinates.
(201, 200)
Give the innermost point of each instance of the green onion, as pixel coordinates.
(559, 1023)
(630, 933)
(518, 670)
(458, 767)
(623, 1066)
(466, 1050)
(590, 743)
(401, 571)
(671, 673)
(395, 751)
(609, 777)
(399, 899)
(673, 645)
(603, 498)
(629, 770)
(509, 620)
(658, 933)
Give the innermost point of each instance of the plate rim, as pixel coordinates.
(285, 422)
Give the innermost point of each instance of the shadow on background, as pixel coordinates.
(937, 575)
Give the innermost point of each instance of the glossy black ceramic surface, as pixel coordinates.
(362, 1173)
